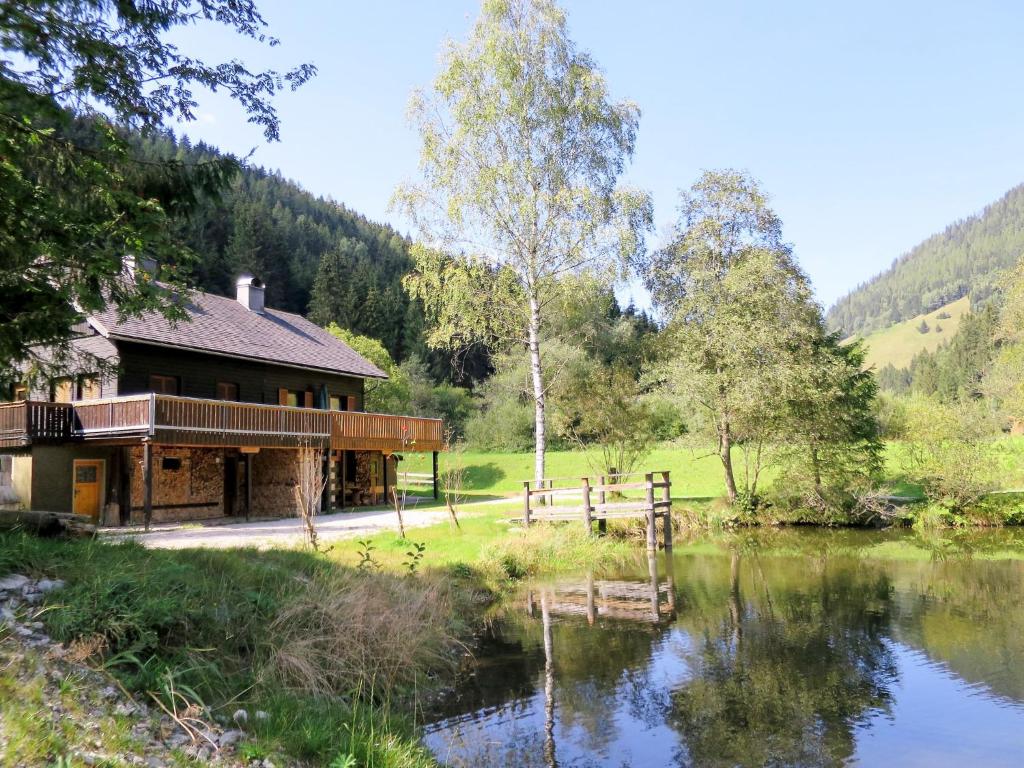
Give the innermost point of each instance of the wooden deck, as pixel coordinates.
(185, 421)
(595, 494)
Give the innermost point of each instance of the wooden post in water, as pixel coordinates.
(526, 503)
(666, 497)
(652, 537)
(602, 522)
(591, 605)
(652, 572)
(588, 520)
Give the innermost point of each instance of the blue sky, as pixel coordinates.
(870, 124)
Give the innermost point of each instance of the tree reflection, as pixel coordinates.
(783, 675)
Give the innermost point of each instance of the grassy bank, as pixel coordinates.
(338, 655)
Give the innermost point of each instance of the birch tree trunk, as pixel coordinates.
(536, 374)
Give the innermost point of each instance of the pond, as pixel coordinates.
(783, 647)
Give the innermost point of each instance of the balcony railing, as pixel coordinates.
(163, 419)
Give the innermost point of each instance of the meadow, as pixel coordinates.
(898, 343)
(696, 472)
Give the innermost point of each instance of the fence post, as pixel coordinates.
(526, 503)
(666, 496)
(652, 539)
(602, 522)
(588, 520)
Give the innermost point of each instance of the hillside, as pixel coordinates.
(269, 225)
(965, 260)
(274, 228)
(897, 344)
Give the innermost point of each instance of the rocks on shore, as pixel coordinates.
(25, 644)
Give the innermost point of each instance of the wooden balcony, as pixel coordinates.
(32, 421)
(167, 420)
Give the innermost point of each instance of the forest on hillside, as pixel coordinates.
(967, 259)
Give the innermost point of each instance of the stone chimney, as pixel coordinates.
(249, 291)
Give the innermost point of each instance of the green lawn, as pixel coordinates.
(696, 474)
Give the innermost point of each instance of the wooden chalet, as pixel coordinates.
(204, 419)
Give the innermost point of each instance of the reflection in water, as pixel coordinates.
(792, 648)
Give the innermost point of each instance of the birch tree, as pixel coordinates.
(522, 152)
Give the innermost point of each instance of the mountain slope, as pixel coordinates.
(898, 343)
(964, 260)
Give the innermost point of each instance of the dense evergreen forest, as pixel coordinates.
(317, 257)
(967, 259)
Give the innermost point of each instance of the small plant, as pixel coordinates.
(923, 327)
(453, 480)
(250, 752)
(366, 562)
(347, 760)
(309, 491)
(415, 555)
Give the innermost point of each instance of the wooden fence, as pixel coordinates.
(596, 502)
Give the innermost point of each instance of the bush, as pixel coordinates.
(948, 451)
(504, 426)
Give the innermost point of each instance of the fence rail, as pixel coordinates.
(596, 506)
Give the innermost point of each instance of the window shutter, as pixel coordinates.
(308, 402)
(282, 396)
(352, 405)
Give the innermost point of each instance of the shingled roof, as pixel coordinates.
(223, 326)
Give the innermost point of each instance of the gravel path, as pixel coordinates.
(275, 533)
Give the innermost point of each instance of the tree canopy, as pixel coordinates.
(76, 76)
(521, 153)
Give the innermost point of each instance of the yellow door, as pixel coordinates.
(88, 481)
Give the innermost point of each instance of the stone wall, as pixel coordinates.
(193, 491)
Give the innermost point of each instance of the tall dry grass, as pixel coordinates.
(369, 634)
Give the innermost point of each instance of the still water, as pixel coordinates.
(772, 648)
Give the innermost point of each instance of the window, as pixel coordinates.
(170, 463)
(338, 403)
(89, 388)
(20, 393)
(63, 390)
(227, 391)
(6, 471)
(294, 397)
(163, 385)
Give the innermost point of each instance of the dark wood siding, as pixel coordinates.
(198, 375)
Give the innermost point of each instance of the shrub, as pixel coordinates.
(948, 451)
(504, 426)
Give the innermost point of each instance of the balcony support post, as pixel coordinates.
(147, 480)
(436, 495)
